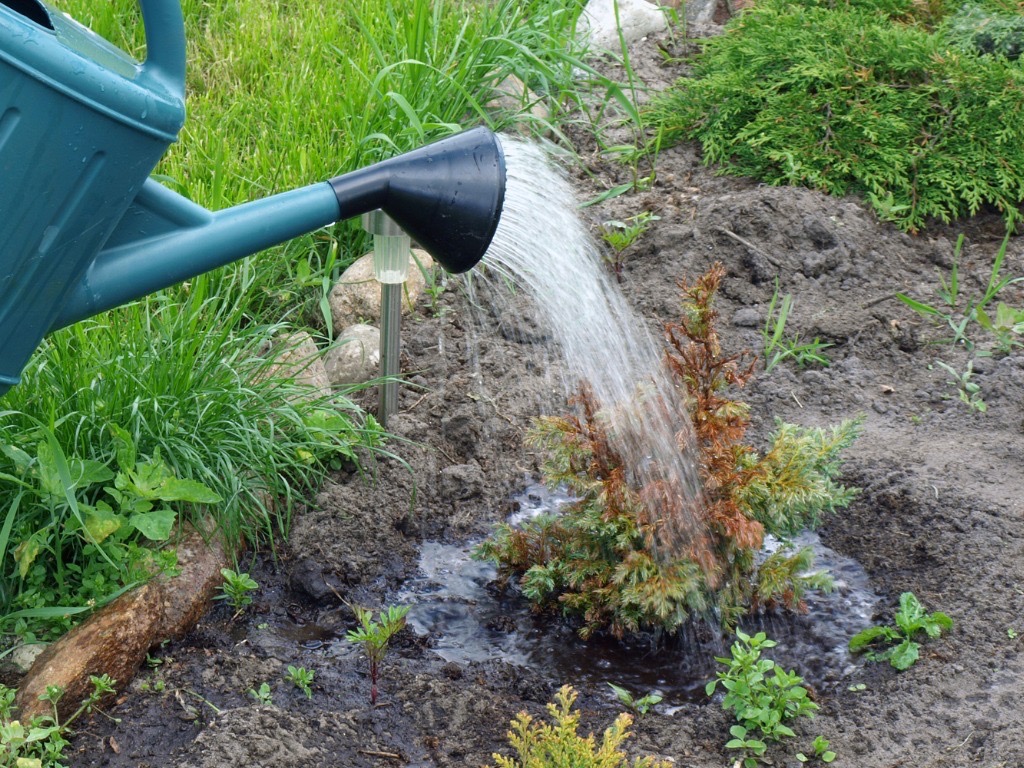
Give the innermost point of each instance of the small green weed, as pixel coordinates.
(969, 391)
(543, 745)
(620, 235)
(374, 636)
(761, 695)
(779, 347)
(236, 590)
(41, 743)
(641, 705)
(263, 695)
(821, 751)
(910, 621)
(1008, 323)
(301, 678)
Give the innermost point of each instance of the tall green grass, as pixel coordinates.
(279, 95)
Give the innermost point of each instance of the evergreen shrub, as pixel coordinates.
(892, 100)
(604, 560)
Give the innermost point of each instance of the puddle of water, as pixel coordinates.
(468, 621)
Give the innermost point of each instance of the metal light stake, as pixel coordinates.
(391, 249)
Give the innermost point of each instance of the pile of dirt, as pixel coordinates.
(940, 512)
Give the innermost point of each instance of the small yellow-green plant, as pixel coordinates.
(374, 636)
(41, 742)
(558, 745)
(762, 696)
(620, 235)
(910, 621)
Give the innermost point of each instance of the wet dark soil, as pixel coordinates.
(939, 514)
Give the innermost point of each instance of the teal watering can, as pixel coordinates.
(84, 229)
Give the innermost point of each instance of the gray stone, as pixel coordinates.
(355, 298)
(746, 317)
(354, 357)
(300, 361)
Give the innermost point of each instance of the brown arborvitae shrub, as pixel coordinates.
(614, 557)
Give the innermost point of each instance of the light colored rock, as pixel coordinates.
(301, 361)
(512, 95)
(355, 298)
(638, 19)
(355, 357)
(22, 657)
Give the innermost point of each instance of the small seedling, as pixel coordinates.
(301, 678)
(779, 347)
(640, 705)
(235, 589)
(969, 391)
(760, 694)
(821, 752)
(374, 637)
(856, 687)
(910, 620)
(1011, 633)
(263, 695)
(620, 235)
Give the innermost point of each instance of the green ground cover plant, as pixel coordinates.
(41, 742)
(559, 745)
(903, 649)
(601, 560)
(762, 696)
(877, 97)
(278, 96)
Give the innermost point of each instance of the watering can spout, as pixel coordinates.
(447, 196)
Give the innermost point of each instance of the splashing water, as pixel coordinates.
(543, 246)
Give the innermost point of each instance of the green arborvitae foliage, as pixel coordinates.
(892, 100)
(602, 560)
(558, 745)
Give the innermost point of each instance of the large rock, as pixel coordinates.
(355, 298)
(638, 19)
(355, 357)
(301, 361)
(512, 96)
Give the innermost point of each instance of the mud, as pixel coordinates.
(939, 514)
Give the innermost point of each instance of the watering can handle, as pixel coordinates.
(165, 43)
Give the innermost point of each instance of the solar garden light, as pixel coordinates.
(391, 250)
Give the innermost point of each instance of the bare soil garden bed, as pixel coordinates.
(939, 514)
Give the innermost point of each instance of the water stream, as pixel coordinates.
(542, 245)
